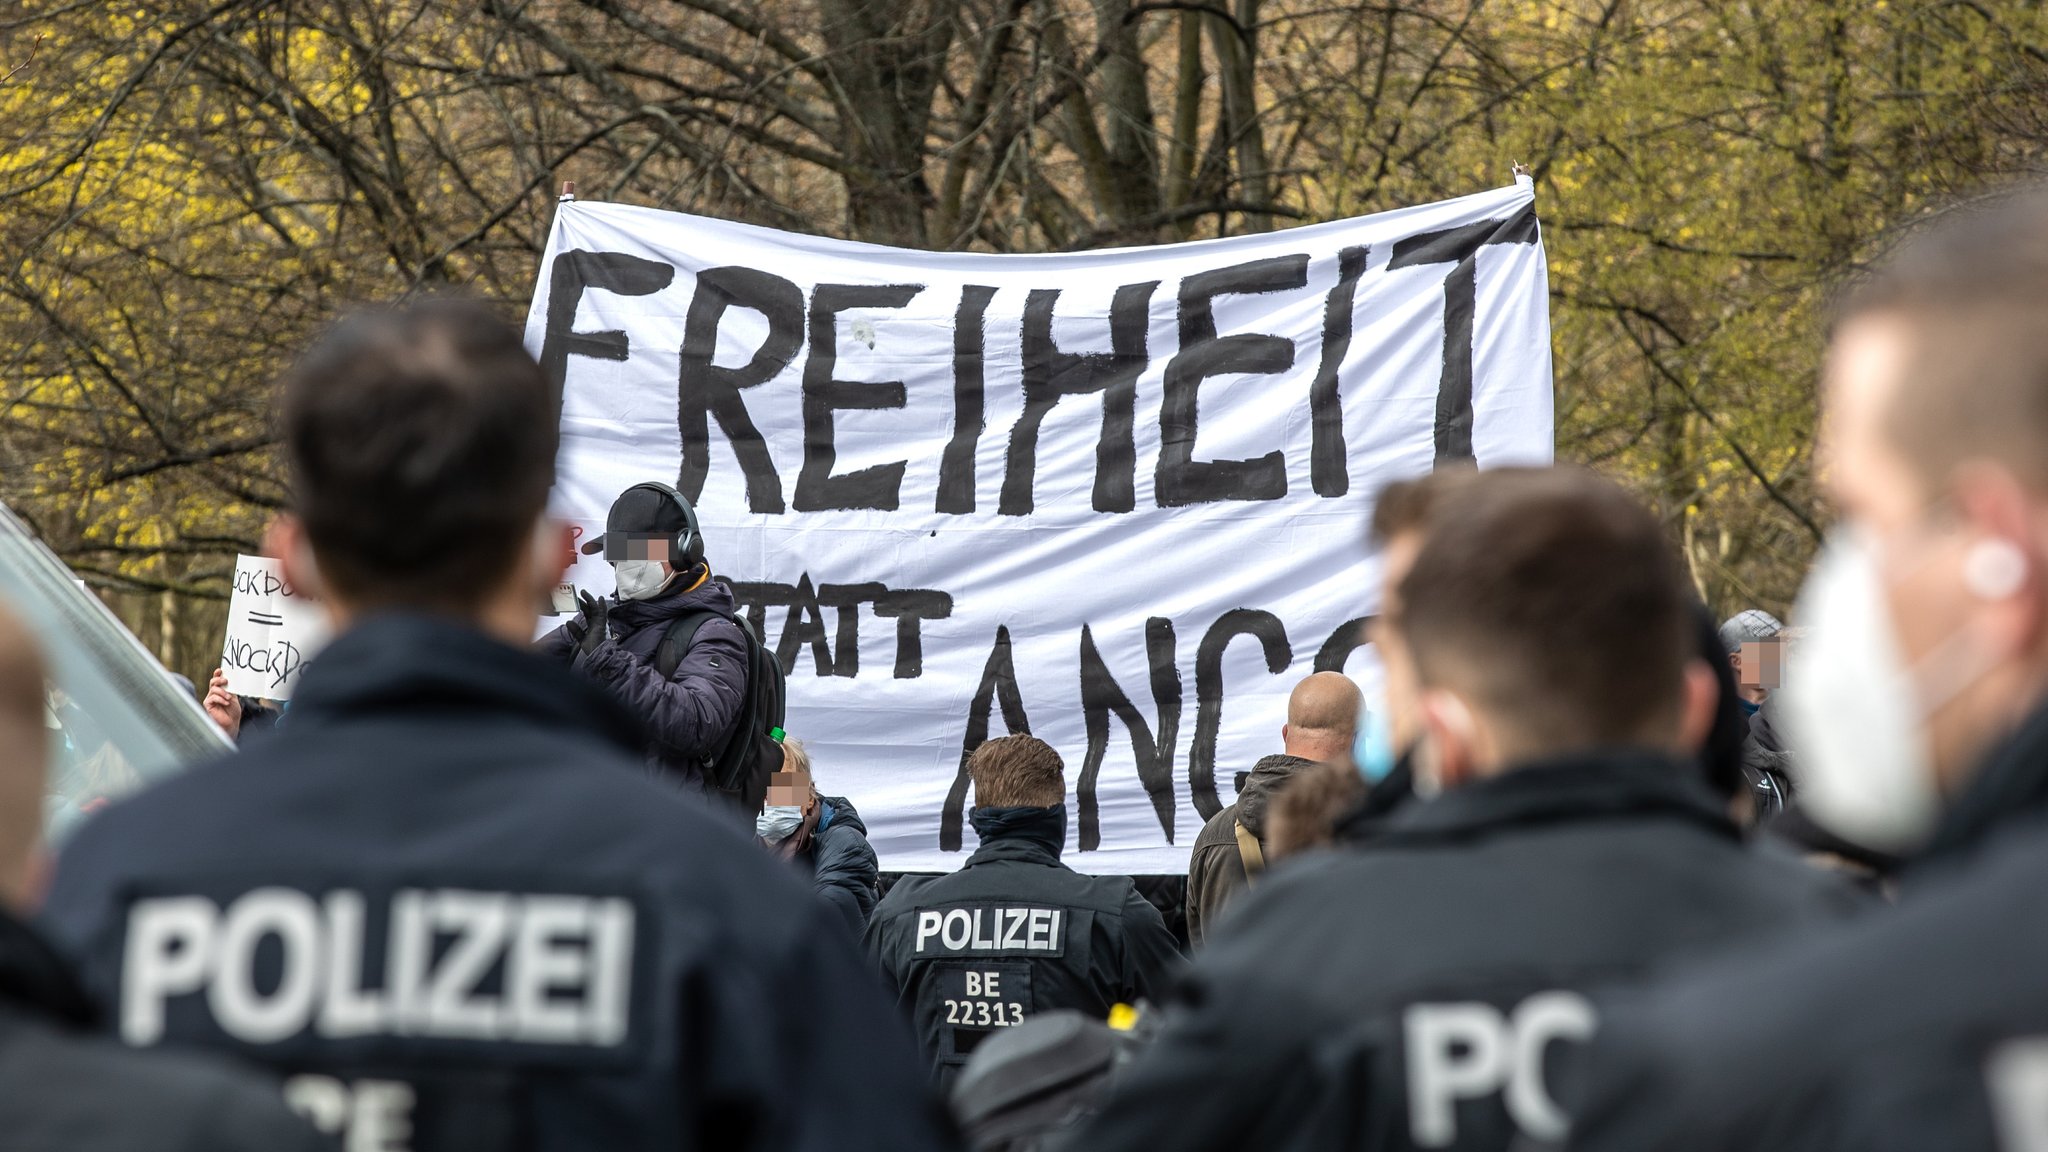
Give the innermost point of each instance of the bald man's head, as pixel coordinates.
(1322, 716)
(23, 748)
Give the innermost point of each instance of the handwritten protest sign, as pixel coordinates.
(272, 631)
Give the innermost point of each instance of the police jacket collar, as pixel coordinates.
(1013, 848)
(1620, 784)
(399, 664)
(33, 979)
(2011, 784)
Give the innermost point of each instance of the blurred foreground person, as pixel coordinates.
(1322, 717)
(1917, 701)
(1015, 932)
(1349, 798)
(823, 835)
(60, 1086)
(446, 897)
(1408, 992)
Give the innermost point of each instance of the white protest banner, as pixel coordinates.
(273, 631)
(1115, 498)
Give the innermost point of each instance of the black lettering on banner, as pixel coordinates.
(1050, 374)
(1328, 471)
(574, 272)
(1459, 247)
(1272, 638)
(846, 599)
(805, 624)
(998, 686)
(1100, 697)
(909, 607)
(970, 342)
(1181, 479)
(756, 597)
(878, 486)
(1348, 638)
(707, 390)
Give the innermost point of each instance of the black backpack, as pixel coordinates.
(740, 769)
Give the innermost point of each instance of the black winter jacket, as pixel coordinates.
(1051, 937)
(1407, 992)
(449, 880)
(690, 714)
(63, 1088)
(1216, 870)
(1923, 1028)
(842, 862)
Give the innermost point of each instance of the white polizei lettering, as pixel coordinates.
(541, 961)
(405, 967)
(479, 922)
(928, 926)
(956, 916)
(611, 972)
(242, 1011)
(981, 941)
(168, 952)
(1036, 937)
(1467, 1051)
(1454, 1051)
(1014, 918)
(1537, 1021)
(347, 1009)
(567, 964)
(1052, 932)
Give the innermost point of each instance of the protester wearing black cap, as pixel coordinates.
(691, 691)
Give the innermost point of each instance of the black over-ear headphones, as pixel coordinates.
(686, 547)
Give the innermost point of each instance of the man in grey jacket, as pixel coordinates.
(1322, 715)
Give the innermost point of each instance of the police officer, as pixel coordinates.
(445, 899)
(1918, 703)
(1015, 932)
(1408, 992)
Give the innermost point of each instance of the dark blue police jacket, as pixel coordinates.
(446, 903)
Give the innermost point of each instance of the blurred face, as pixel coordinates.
(790, 788)
(1959, 567)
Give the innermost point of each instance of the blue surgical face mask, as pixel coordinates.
(777, 822)
(1749, 707)
(1372, 750)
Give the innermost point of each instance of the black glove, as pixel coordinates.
(594, 618)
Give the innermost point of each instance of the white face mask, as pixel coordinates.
(1854, 713)
(639, 579)
(778, 822)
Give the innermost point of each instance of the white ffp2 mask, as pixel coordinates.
(638, 579)
(1856, 717)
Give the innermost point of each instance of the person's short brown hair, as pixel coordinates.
(1972, 289)
(1017, 772)
(1405, 505)
(1551, 600)
(421, 443)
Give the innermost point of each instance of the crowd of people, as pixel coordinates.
(1586, 871)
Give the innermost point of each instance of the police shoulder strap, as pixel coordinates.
(1248, 850)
